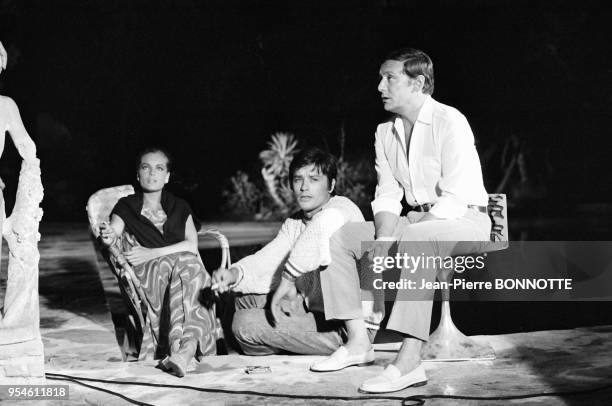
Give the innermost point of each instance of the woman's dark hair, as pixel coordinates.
(323, 161)
(152, 150)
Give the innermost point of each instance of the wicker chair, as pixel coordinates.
(130, 327)
(447, 343)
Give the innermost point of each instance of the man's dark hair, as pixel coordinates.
(416, 63)
(324, 161)
(152, 150)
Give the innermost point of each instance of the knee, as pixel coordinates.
(245, 327)
(250, 332)
(413, 240)
(410, 233)
(190, 271)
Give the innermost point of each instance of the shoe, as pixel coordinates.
(391, 380)
(341, 359)
(174, 365)
(162, 364)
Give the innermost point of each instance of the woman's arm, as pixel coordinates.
(190, 244)
(139, 255)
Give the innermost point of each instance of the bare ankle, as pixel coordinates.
(405, 365)
(358, 345)
(409, 355)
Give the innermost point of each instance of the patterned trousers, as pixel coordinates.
(177, 323)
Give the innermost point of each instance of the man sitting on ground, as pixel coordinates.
(301, 244)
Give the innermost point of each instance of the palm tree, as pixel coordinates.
(276, 160)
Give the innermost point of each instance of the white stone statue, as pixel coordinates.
(21, 352)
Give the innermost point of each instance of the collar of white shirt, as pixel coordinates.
(425, 117)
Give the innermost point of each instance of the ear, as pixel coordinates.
(419, 82)
(167, 177)
(333, 185)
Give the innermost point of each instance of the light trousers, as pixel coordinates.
(349, 273)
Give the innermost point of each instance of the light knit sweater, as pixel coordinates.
(300, 248)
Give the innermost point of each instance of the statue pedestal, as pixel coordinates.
(21, 348)
(22, 363)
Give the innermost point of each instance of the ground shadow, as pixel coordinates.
(71, 284)
(570, 368)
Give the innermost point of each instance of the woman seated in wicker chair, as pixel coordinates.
(157, 234)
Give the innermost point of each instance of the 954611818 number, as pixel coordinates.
(34, 392)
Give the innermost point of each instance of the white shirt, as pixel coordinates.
(442, 168)
(299, 248)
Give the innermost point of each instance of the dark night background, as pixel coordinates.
(98, 80)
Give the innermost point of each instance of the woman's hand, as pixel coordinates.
(107, 234)
(140, 255)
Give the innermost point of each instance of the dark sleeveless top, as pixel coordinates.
(129, 209)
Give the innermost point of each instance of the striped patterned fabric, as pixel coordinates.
(176, 321)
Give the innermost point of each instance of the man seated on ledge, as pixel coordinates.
(301, 244)
(426, 154)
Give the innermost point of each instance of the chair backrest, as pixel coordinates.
(498, 212)
(101, 203)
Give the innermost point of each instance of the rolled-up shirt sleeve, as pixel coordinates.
(260, 269)
(460, 170)
(389, 192)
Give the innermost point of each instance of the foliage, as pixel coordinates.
(354, 181)
(272, 197)
(278, 156)
(275, 172)
(243, 197)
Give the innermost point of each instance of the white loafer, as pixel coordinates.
(341, 359)
(391, 380)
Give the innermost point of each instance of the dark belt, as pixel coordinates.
(425, 207)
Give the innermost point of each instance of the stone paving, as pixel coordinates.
(79, 339)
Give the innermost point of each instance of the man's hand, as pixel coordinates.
(3, 58)
(384, 224)
(222, 278)
(290, 303)
(380, 248)
(286, 290)
(140, 255)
